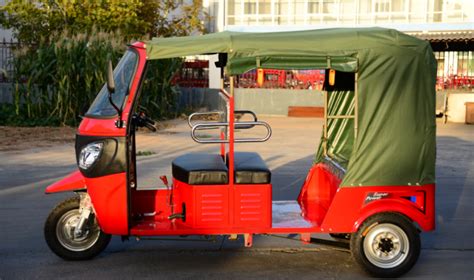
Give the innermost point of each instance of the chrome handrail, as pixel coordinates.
(220, 113)
(190, 123)
(243, 113)
(204, 126)
(252, 124)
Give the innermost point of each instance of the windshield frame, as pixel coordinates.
(127, 95)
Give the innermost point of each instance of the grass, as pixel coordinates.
(145, 153)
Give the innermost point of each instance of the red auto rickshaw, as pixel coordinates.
(373, 177)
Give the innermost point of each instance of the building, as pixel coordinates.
(400, 14)
(447, 24)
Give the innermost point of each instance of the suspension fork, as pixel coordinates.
(85, 209)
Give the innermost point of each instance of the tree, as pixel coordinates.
(66, 43)
(36, 20)
(168, 22)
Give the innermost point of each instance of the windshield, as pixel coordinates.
(123, 75)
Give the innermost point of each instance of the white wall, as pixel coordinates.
(457, 106)
(214, 73)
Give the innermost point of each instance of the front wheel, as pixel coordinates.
(386, 245)
(59, 233)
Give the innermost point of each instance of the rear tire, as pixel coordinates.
(386, 245)
(59, 228)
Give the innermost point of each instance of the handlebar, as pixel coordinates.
(150, 124)
(141, 120)
(204, 126)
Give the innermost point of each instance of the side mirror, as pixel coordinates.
(110, 78)
(111, 88)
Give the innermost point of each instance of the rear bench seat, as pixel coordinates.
(210, 169)
(200, 169)
(250, 169)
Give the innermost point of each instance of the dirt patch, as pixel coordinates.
(20, 138)
(14, 138)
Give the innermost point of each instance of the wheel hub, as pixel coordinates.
(65, 232)
(386, 245)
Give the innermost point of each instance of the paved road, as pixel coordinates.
(447, 252)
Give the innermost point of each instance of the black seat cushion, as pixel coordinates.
(200, 169)
(250, 169)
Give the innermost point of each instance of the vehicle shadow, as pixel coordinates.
(288, 178)
(454, 195)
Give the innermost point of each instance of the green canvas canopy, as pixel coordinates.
(396, 73)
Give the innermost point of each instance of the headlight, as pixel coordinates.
(89, 154)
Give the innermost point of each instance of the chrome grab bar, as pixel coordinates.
(244, 112)
(220, 113)
(252, 124)
(204, 126)
(190, 123)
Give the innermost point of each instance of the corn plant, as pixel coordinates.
(159, 94)
(58, 80)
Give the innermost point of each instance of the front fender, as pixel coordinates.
(72, 182)
(424, 220)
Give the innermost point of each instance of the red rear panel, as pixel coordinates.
(352, 205)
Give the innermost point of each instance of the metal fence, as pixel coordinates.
(455, 70)
(6, 59)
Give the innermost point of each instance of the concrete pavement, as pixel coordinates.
(447, 252)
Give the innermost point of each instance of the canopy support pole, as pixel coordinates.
(231, 120)
(356, 106)
(325, 130)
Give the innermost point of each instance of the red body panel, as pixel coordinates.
(72, 182)
(109, 193)
(252, 206)
(209, 210)
(149, 201)
(109, 197)
(320, 184)
(100, 127)
(224, 206)
(206, 206)
(344, 209)
(317, 193)
(349, 208)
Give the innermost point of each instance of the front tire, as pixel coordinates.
(59, 233)
(386, 245)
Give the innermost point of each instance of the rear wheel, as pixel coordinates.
(386, 245)
(59, 233)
